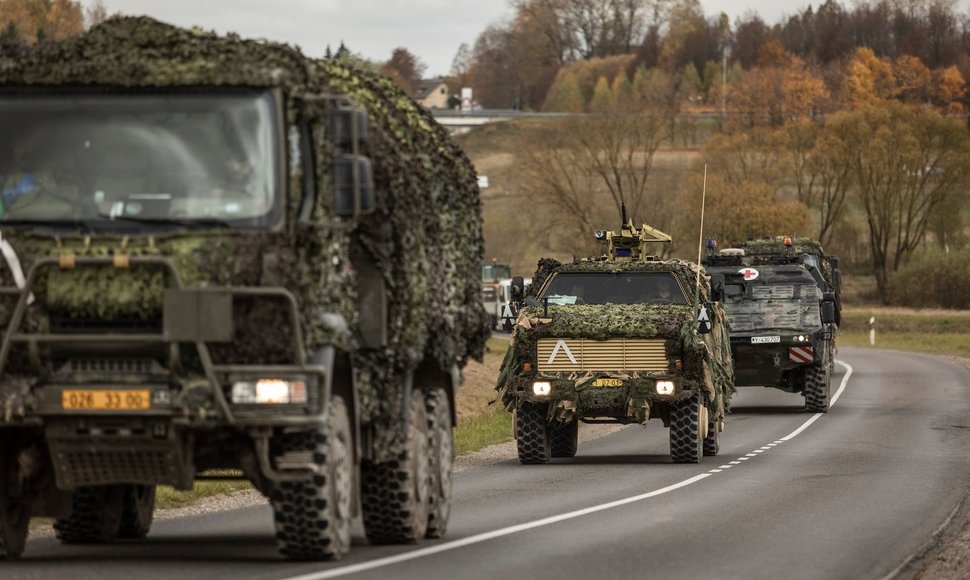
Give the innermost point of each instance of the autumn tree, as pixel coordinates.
(907, 161)
(36, 20)
(869, 80)
(405, 70)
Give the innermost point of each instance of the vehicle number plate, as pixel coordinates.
(105, 400)
(608, 383)
(765, 339)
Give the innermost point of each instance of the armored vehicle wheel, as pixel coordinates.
(14, 511)
(137, 512)
(686, 437)
(95, 518)
(564, 438)
(712, 443)
(442, 456)
(817, 381)
(313, 516)
(395, 493)
(532, 433)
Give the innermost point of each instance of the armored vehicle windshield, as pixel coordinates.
(614, 288)
(159, 159)
(776, 299)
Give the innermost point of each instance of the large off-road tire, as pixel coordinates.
(396, 493)
(313, 515)
(818, 382)
(95, 518)
(564, 438)
(686, 442)
(712, 443)
(532, 433)
(138, 511)
(441, 450)
(14, 510)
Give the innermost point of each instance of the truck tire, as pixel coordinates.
(14, 510)
(137, 512)
(442, 456)
(313, 515)
(712, 443)
(95, 518)
(532, 434)
(686, 444)
(564, 438)
(395, 493)
(817, 381)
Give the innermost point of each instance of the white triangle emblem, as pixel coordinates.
(561, 344)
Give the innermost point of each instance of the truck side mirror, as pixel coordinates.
(353, 185)
(717, 287)
(828, 297)
(828, 312)
(517, 288)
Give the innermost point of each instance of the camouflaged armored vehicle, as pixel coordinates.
(620, 339)
(221, 258)
(782, 321)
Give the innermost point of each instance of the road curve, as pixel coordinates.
(851, 495)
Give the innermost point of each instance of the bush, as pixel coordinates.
(934, 280)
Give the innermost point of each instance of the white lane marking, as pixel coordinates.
(772, 444)
(715, 471)
(735, 463)
(486, 536)
(750, 455)
(724, 467)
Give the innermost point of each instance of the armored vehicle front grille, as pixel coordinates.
(79, 466)
(614, 354)
(112, 365)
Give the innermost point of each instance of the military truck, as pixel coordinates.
(221, 258)
(623, 338)
(494, 277)
(782, 321)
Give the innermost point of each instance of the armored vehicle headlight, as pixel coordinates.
(800, 338)
(665, 387)
(541, 389)
(269, 392)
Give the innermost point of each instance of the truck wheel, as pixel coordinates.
(442, 456)
(95, 515)
(137, 512)
(817, 381)
(395, 493)
(564, 438)
(14, 510)
(712, 443)
(313, 516)
(686, 443)
(532, 437)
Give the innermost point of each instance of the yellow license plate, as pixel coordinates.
(105, 400)
(608, 383)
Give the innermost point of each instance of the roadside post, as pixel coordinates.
(872, 331)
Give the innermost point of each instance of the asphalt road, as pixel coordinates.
(849, 494)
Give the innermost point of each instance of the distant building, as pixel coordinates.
(433, 94)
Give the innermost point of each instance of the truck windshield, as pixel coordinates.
(175, 159)
(496, 272)
(614, 288)
(751, 307)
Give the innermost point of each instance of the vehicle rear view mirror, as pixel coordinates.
(348, 127)
(717, 287)
(517, 288)
(353, 185)
(828, 297)
(828, 312)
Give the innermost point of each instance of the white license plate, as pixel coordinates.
(765, 339)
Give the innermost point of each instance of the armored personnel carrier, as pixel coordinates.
(221, 258)
(624, 338)
(782, 319)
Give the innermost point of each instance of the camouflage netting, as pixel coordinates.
(776, 247)
(426, 236)
(706, 358)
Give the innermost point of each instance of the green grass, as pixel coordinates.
(168, 497)
(484, 430)
(938, 332)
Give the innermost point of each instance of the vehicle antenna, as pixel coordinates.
(700, 241)
(622, 215)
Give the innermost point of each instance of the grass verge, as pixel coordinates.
(937, 332)
(486, 429)
(168, 498)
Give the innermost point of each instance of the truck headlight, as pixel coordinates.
(541, 389)
(269, 392)
(665, 387)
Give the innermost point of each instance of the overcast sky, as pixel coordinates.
(431, 29)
